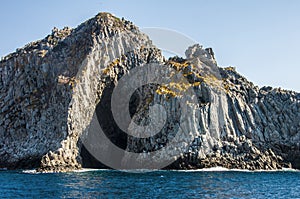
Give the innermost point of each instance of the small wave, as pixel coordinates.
(212, 169)
(88, 170)
(206, 169)
(278, 170)
(31, 171)
(290, 170)
(222, 169)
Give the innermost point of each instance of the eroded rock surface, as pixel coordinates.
(50, 89)
(238, 125)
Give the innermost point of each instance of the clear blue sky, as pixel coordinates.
(260, 37)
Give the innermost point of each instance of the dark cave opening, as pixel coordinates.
(119, 138)
(89, 161)
(109, 126)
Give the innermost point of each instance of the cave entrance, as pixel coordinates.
(109, 127)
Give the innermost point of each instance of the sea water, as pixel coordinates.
(209, 183)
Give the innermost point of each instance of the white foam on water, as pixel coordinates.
(221, 169)
(88, 170)
(290, 170)
(212, 169)
(31, 171)
(216, 169)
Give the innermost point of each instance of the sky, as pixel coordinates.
(261, 38)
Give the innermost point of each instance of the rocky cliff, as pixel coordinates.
(51, 91)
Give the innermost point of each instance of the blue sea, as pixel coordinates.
(157, 184)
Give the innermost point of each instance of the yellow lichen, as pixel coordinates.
(164, 90)
(227, 85)
(196, 84)
(174, 89)
(178, 66)
(188, 73)
(213, 81)
(42, 53)
(110, 66)
(106, 71)
(230, 68)
(226, 88)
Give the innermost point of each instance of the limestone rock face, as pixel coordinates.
(50, 89)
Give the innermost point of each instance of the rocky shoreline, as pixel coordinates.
(51, 88)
